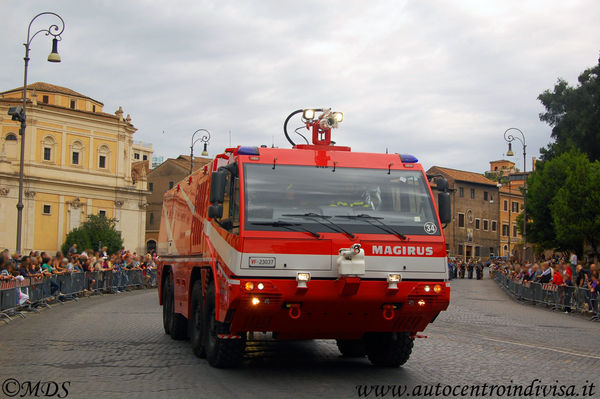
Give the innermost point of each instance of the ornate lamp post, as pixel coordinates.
(509, 138)
(204, 138)
(19, 114)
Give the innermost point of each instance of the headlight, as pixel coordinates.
(427, 288)
(260, 286)
(302, 278)
(249, 286)
(437, 288)
(308, 114)
(338, 116)
(255, 301)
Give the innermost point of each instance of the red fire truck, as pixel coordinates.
(316, 241)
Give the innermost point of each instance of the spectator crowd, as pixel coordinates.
(96, 265)
(565, 276)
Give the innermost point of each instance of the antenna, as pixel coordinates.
(230, 138)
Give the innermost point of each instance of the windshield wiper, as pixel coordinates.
(369, 219)
(330, 224)
(288, 226)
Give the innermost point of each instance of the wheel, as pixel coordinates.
(352, 347)
(389, 349)
(176, 324)
(196, 323)
(167, 305)
(221, 353)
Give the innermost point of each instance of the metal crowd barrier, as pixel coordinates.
(31, 292)
(563, 298)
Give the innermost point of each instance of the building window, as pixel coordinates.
(76, 150)
(477, 251)
(505, 205)
(103, 154)
(45, 99)
(486, 224)
(460, 249)
(151, 218)
(477, 223)
(11, 137)
(491, 251)
(151, 187)
(145, 158)
(136, 156)
(461, 220)
(102, 212)
(170, 185)
(93, 108)
(514, 231)
(505, 230)
(461, 192)
(46, 209)
(472, 193)
(485, 195)
(48, 148)
(515, 207)
(72, 104)
(494, 227)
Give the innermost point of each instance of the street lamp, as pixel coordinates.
(19, 114)
(509, 138)
(204, 138)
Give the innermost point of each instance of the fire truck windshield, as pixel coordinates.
(356, 200)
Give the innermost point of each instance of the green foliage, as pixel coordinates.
(563, 203)
(96, 228)
(574, 114)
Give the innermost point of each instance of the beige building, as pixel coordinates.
(78, 161)
(511, 205)
(160, 179)
(473, 231)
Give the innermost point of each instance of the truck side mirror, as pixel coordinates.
(217, 187)
(215, 211)
(441, 184)
(444, 208)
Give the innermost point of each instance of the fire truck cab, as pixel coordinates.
(315, 241)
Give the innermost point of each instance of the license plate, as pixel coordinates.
(254, 261)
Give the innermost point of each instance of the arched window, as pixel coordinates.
(11, 137)
(104, 157)
(76, 153)
(150, 246)
(49, 149)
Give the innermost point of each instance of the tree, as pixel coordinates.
(576, 206)
(574, 115)
(96, 229)
(563, 203)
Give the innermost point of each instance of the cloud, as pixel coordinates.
(439, 80)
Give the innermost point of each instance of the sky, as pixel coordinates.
(441, 80)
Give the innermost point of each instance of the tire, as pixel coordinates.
(176, 323)
(352, 347)
(389, 349)
(220, 353)
(197, 319)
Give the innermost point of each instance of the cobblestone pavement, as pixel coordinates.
(113, 346)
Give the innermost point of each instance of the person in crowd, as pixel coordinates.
(24, 266)
(547, 273)
(567, 288)
(582, 275)
(72, 251)
(592, 286)
(48, 272)
(573, 261)
(470, 268)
